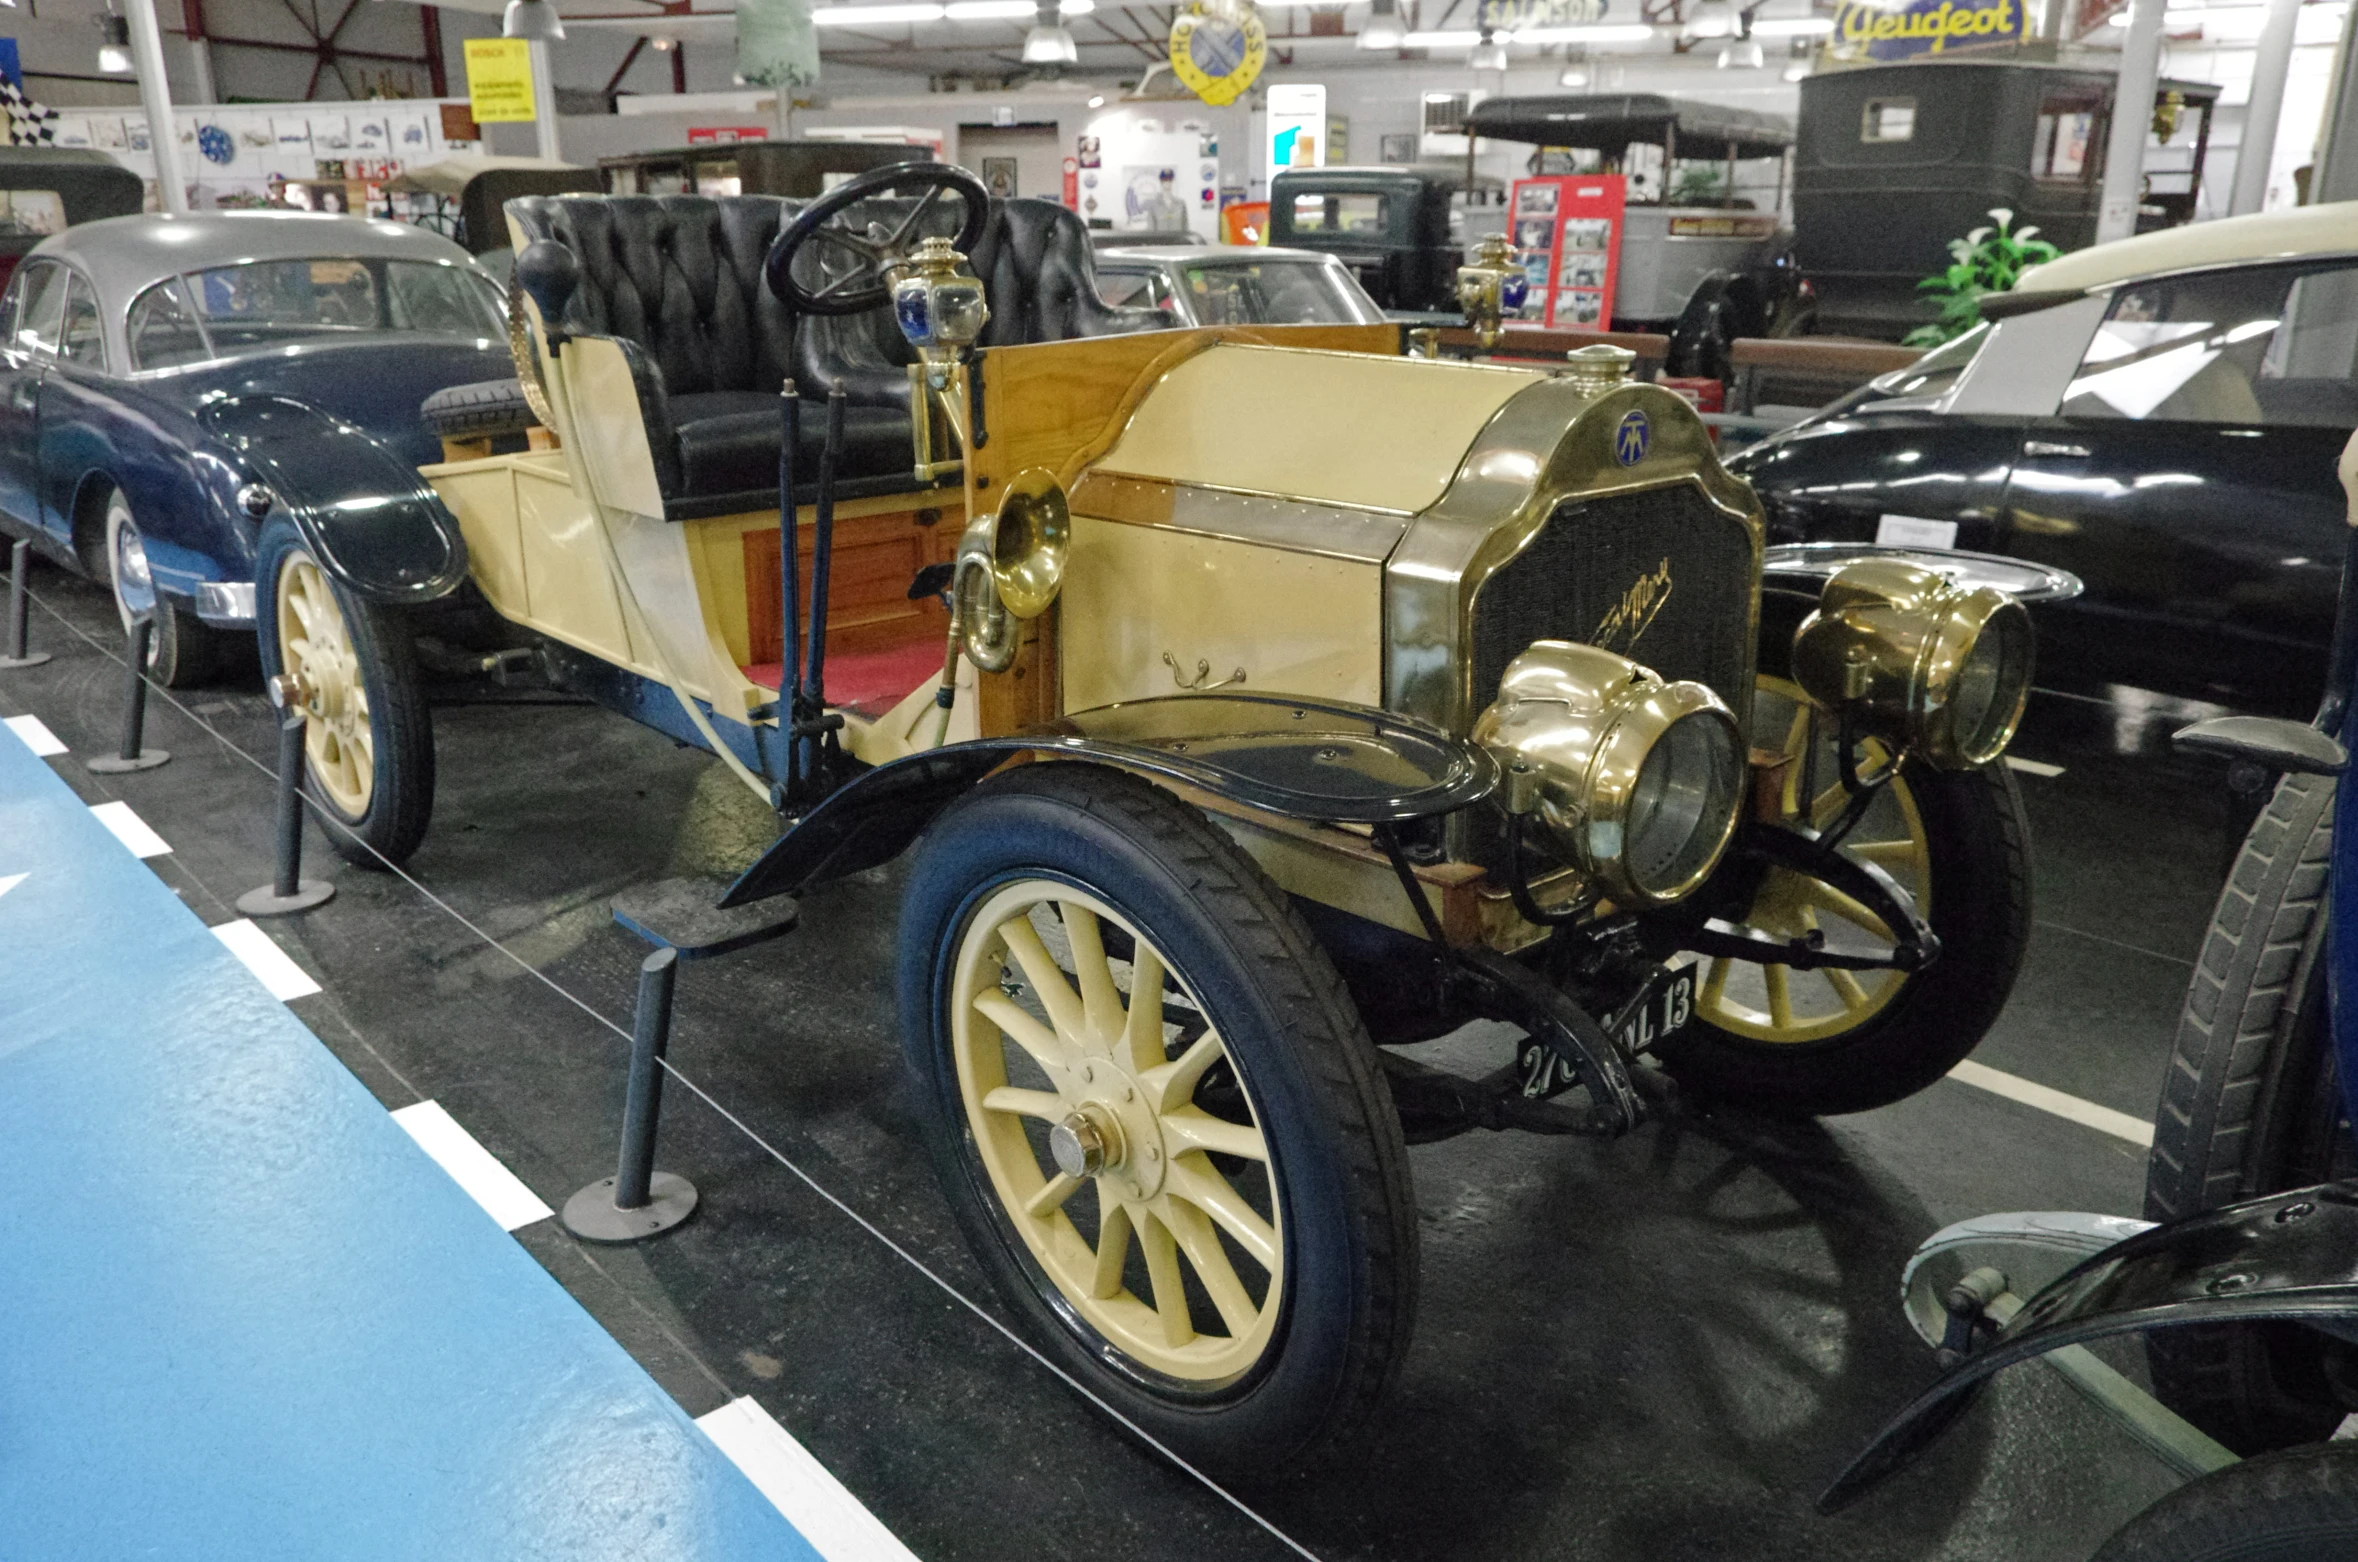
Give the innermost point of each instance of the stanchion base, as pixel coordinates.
(591, 1215)
(12, 663)
(117, 765)
(267, 902)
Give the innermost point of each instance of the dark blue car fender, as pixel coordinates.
(363, 510)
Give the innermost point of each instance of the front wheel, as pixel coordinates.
(368, 741)
(2296, 1506)
(1816, 1042)
(1157, 1115)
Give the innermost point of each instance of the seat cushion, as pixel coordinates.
(728, 444)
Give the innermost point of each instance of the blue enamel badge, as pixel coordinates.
(1630, 438)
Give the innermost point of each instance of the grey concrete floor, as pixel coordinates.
(1654, 1349)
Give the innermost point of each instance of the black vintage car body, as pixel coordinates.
(2161, 417)
(1894, 161)
(1391, 226)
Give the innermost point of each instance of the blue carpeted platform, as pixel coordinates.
(242, 1315)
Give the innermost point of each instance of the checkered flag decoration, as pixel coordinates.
(29, 123)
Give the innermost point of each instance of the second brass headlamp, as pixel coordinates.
(1940, 669)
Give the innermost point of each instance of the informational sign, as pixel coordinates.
(1567, 232)
(1217, 53)
(1865, 30)
(1297, 127)
(499, 80)
(1072, 184)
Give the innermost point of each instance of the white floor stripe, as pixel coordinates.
(500, 1191)
(2033, 767)
(130, 829)
(2015, 1088)
(12, 881)
(272, 966)
(36, 734)
(835, 1522)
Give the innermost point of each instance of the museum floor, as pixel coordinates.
(1656, 1349)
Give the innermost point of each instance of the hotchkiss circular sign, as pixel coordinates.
(1218, 55)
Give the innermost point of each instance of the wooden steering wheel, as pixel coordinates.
(857, 257)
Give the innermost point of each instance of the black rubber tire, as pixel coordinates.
(2250, 1107)
(1349, 1223)
(1981, 909)
(182, 649)
(401, 798)
(486, 408)
(2300, 1505)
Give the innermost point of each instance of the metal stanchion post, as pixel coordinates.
(638, 1201)
(133, 755)
(288, 890)
(19, 557)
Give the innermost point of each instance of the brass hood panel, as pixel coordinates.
(1351, 429)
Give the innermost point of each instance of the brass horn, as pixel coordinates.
(1020, 552)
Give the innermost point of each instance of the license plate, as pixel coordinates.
(1666, 1004)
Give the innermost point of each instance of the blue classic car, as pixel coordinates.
(166, 380)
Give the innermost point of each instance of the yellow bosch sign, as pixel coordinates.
(499, 80)
(1217, 50)
(1884, 32)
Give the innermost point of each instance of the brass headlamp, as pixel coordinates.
(939, 308)
(1639, 781)
(1940, 669)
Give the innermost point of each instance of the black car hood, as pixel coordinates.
(377, 382)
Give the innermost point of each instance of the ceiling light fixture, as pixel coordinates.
(1097, 101)
(1383, 29)
(874, 15)
(1744, 54)
(1594, 32)
(988, 10)
(1453, 39)
(534, 19)
(1489, 54)
(114, 44)
(1793, 27)
(1048, 43)
(663, 45)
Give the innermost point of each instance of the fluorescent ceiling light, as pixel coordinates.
(1743, 55)
(989, 10)
(1594, 32)
(1076, 7)
(875, 15)
(1797, 73)
(1448, 40)
(1573, 76)
(114, 44)
(1489, 55)
(1793, 27)
(1383, 29)
(1097, 101)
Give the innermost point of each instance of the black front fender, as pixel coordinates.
(1301, 758)
(2290, 1256)
(363, 510)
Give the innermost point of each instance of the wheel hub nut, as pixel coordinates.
(1080, 1146)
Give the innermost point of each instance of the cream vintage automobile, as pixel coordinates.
(1255, 701)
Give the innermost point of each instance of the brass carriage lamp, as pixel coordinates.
(1490, 287)
(939, 308)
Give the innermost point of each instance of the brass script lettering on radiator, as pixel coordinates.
(1630, 617)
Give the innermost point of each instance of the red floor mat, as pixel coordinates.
(869, 682)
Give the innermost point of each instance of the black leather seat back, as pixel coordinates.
(680, 275)
(1040, 274)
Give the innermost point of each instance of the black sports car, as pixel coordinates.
(2161, 417)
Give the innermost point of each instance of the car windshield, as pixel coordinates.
(265, 303)
(1273, 292)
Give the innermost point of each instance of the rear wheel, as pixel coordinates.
(2296, 1506)
(1157, 1116)
(2251, 1106)
(368, 741)
(181, 649)
(1806, 1042)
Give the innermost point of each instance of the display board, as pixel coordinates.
(1568, 232)
(264, 154)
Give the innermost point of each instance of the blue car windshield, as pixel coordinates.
(270, 303)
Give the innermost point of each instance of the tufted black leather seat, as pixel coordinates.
(678, 279)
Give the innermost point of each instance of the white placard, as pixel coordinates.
(1914, 531)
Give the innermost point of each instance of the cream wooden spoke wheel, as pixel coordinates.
(1083, 1073)
(1775, 1003)
(1156, 1115)
(1784, 1039)
(368, 742)
(317, 647)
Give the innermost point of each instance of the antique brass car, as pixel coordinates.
(1256, 701)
